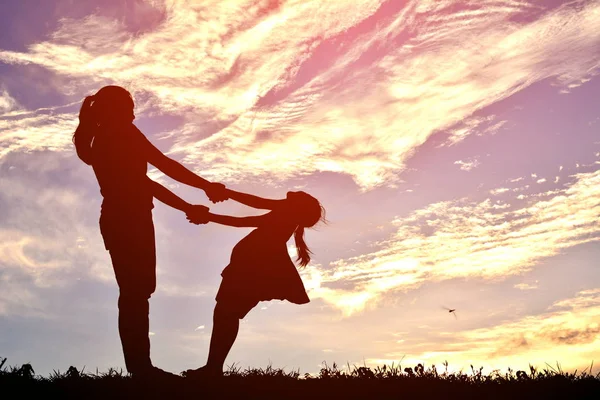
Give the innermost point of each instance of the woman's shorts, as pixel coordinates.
(130, 241)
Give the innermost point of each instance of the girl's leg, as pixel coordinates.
(226, 324)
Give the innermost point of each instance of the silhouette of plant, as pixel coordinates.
(331, 382)
(26, 371)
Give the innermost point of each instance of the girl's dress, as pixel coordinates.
(261, 269)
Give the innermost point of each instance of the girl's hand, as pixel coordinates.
(197, 214)
(217, 192)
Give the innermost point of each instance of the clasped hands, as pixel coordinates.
(198, 214)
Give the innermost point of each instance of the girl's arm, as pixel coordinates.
(254, 201)
(215, 191)
(239, 222)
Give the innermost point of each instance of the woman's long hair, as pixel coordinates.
(311, 212)
(109, 103)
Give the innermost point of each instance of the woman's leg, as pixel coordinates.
(134, 311)
(133, 256)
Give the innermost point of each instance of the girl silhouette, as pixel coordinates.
(119, 153)
(260, 268)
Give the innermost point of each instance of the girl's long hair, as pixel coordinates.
(301, 247)
(86, 131)
(311, 213)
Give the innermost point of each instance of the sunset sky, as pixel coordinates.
(454, 144)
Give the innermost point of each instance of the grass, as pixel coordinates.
(332, 382)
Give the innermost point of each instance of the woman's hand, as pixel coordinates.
(86, 114)
(197, 214)
(217, 192)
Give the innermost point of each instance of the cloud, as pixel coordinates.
(277, 90)
(32, 131)
(479, 125)
(49, 236)
(570, 334)
(576, 326)
(17, 296)
(586, 299)
(182, 289)
(468, 165)
(488, 239)
(369, 134)
(526, 286)
(46, 232)
(498, 191)
(7, 103)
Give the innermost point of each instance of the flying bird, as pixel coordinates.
(451, 311)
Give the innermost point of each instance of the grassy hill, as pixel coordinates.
(331, 383)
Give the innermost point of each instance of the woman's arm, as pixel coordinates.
(254, 201)
(215, 191)
(171, 199)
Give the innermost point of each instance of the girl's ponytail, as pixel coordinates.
(301, 247)
(86, 131)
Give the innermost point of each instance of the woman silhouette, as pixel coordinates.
(119, 153)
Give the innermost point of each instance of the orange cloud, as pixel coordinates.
(231, 68)
(568, 332)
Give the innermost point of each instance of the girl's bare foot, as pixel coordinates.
(153, 373)
(202, 373)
